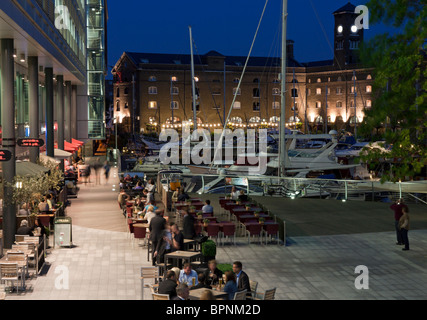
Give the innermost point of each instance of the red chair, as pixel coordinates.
(213, 230)
(271, 229)
(228, 230)
(140, 232)
(254, 230)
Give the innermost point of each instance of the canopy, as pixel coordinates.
(70, 147)
(60, 154)
(26, 168)
(77, 142)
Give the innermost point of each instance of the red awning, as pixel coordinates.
(69, 146)
(77, 142)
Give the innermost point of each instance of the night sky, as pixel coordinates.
(226, 26)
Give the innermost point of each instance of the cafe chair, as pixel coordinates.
(254, 286)
(213, 231)
(254, 230)
(9, 271)
(229, 231)
(148, 273)
(240, 295)
(158, 296)
(267, 295)
(271, 230)
(140, 233)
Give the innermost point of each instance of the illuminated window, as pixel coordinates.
(236, 105)
(174, 105)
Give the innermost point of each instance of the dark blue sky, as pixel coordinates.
(227, 26)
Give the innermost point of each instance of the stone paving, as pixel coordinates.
(105, 264)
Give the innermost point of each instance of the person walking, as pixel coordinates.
(397, 208)
(404, 228)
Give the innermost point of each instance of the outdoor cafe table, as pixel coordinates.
(196, 293)
(189, 256)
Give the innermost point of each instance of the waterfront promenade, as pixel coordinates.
(104, 263)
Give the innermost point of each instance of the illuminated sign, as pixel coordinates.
(5, 155)
(28, 142)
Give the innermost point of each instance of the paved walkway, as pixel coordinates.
(105, 263)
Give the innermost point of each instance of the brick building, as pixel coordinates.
(153, 91)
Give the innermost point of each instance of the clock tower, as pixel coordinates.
(347, 36)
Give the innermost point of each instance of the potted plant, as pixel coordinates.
(261, 220)
(208, 250)
(205, 222)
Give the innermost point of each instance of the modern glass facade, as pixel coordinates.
(96, 67)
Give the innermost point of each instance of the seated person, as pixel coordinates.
(207, 208)
(202, 282)
(168, 286)
(234, 193)
(24, 229)
(44, 206)
(150, 186)
(138, 186)
(187, 275)
(183, 196)
(243, 196)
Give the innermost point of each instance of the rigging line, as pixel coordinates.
(209, 86)
(240, 82)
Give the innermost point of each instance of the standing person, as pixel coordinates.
(230, 284)
(404, 227)
(397, 208)
(242, 278)
(106, 171)
(189, 230)
(156, 227)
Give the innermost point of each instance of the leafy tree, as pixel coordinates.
(399, 111)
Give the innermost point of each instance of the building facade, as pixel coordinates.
(46, 79)
(154, 91)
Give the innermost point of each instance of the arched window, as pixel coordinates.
(175, 120)
(275, 119)
(294, 119)
(319, 120)
(255, 93)
(254, 120)
(236, 120)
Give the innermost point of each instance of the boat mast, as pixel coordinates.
(282, 148)
(193, 83)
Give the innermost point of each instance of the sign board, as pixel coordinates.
(236, 181)
(29, 142)
(5, 155)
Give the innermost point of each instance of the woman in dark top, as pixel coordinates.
(230, 284)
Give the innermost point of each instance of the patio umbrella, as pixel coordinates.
(26, 168)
